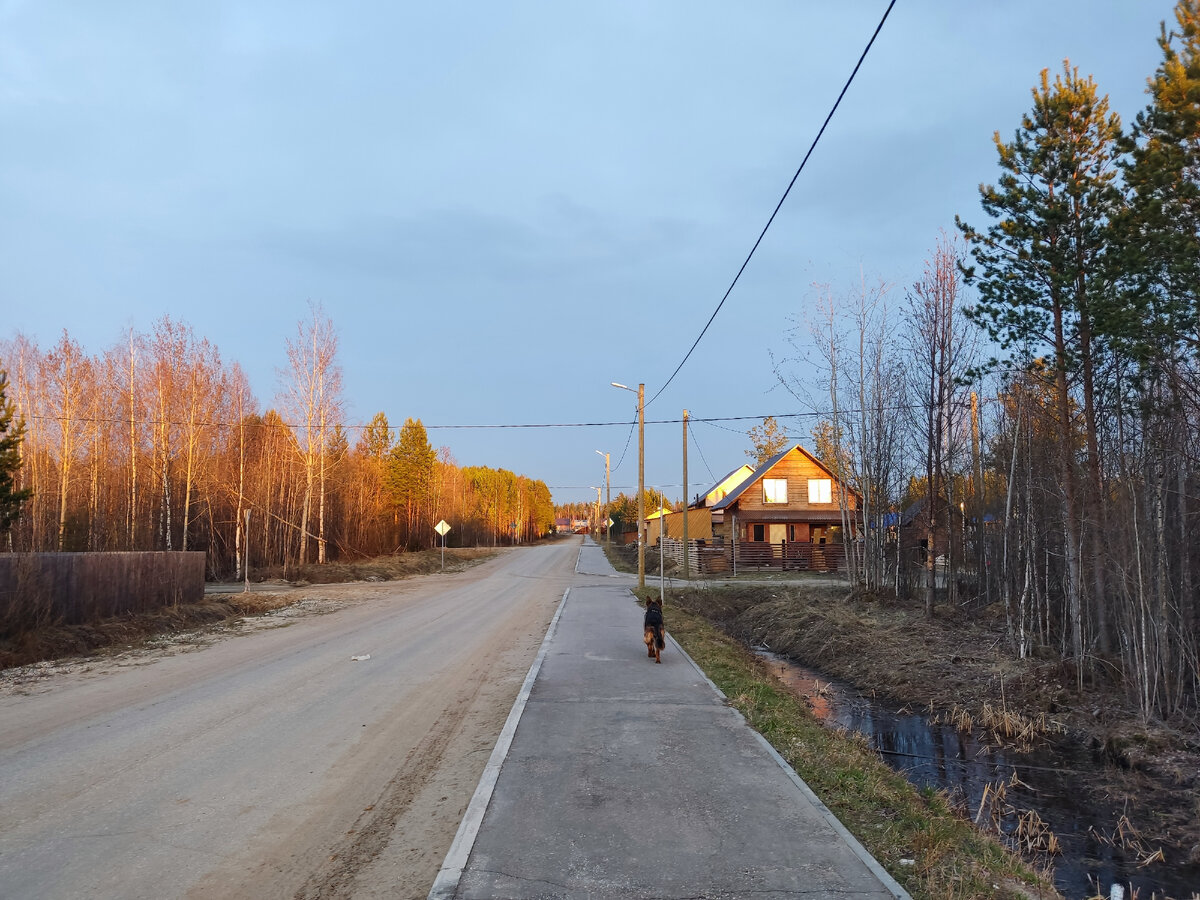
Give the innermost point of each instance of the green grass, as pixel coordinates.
(892, 819)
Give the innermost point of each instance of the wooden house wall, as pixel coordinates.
(797, 468)
(699, 526)
(797, 520)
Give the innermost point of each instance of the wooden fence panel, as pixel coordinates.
(793, 555)
(38, 589)
(705, 558)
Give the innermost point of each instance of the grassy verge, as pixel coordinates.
(383, 568)
(918, 837)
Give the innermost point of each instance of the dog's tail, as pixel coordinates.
(658, 638)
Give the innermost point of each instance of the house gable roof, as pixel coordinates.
(703, 497)
(761, 472)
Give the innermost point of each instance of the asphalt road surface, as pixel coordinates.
(271, 764)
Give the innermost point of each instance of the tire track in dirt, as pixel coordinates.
(375, 828)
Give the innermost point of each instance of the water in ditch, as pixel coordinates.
(1049, 781)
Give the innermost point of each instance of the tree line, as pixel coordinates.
(1040, 444)
(157, 443)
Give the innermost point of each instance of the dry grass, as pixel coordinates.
(1010, 725)
(384, 568)
(58, 641)
(55, 641)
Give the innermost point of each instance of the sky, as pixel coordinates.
(505, 207)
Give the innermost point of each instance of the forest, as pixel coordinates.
(1022, 423)
(157, 443)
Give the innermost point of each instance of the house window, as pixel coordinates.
(758, 532)
(820, 490)
(775, 490)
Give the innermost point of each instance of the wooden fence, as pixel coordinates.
(708, 558)
(38, 589)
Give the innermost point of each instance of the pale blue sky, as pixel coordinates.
(505, 206)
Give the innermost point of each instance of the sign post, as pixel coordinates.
(441, 528)
(246, 552)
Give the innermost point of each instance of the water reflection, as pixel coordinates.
(1049, 780)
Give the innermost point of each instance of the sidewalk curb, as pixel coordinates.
(445, 885)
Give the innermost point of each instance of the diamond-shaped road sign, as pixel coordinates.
(441, 527)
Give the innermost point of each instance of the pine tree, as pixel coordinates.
(11, 434)
(767, 439)
(1160, 232)
(1159, 330)
(409, 476)
(376, 439)
(1040, 272)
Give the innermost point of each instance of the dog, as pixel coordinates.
(653, 625)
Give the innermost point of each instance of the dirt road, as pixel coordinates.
(272, 764)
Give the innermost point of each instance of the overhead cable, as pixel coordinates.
(778, 205)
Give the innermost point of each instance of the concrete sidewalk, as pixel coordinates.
(617, 777)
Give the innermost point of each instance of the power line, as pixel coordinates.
(628, 437)
(88, 420)
(778, 205)
(619, 487)
(708, 420)
(696, 443)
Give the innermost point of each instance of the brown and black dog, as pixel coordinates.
(653, 625)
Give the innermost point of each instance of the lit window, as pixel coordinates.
(820, 490)
(775, 490)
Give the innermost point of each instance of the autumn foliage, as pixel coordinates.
(158, 443)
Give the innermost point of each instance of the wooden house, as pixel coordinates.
(791, 498)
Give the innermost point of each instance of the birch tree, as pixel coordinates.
(66, 375)
(312, 397)
(940, 349)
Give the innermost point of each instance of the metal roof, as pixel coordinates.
(758, 473)
(720, 481)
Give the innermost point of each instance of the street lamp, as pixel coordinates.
(607, 499)
(641, 395)
(596, 520)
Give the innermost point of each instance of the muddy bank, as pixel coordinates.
(959, 666)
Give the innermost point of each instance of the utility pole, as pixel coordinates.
(685, 498)
(607, 498)
(641, 484)
(641, 394)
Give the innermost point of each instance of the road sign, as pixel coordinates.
(609, 523)
(441, 528)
